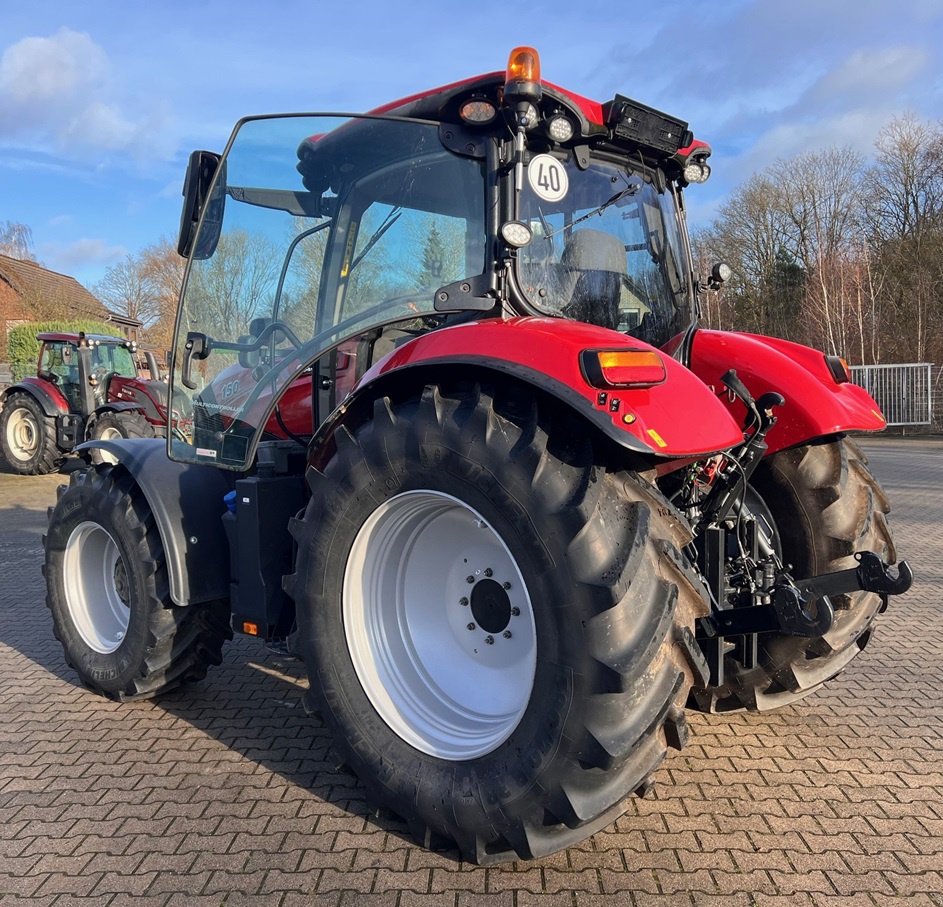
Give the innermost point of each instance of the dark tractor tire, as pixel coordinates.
(107, 589)
(28, 436)
(824, 505)
(111, 426)
(496, 624)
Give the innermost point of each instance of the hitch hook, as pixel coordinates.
(875, 576)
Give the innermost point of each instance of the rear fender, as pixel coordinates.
(679, 418)
(816, 406)
(49, 397)
(187, 502)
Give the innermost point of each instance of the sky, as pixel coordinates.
(102, 101)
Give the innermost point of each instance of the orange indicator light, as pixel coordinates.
(631, 368)
(250, 628)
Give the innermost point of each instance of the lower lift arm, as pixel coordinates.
(802, 608)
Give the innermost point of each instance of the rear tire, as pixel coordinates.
(28, 436)
(825, 505)
(107, 589)
(112, 426)
(530, 743)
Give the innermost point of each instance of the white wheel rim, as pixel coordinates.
(109, 434)
(440, 686)
(22, 434)
(96, 587)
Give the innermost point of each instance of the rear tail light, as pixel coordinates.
(623, 368)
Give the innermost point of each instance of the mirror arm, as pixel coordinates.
(198, 346)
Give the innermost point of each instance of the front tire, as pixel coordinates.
(458, 516)
(28, 436)
(107, 589)
(824, 504)
(114, 426)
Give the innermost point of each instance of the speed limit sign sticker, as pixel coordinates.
(547, 177)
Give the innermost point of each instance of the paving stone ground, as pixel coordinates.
(227, 794)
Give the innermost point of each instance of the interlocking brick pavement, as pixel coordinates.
(227, 794)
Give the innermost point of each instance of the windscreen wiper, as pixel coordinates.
(388, 222)
(631, 189)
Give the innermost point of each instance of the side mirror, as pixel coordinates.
(201, 171)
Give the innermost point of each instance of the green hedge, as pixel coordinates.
(23, 347)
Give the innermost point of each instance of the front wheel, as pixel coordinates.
(496, 624)
(28, 436)
(821, 504)
(115, 426)
(107, 589)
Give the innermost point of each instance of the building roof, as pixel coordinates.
(29, 279)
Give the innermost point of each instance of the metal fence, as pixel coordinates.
(902, 390)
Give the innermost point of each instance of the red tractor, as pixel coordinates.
(455, 438)
(86, 387)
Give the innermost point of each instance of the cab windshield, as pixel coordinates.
(318, 228)
(606, 248)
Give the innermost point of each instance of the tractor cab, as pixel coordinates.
(496, 198)
(83, 366)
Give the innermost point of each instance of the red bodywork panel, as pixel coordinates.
(52, 392)
(548, 349)
(815, 405)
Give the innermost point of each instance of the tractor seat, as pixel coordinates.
(594, 265)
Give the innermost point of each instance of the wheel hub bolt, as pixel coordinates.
(463, 602)
(489, 572)
(470, 627)
(507, 585)
(489, 640)
(515, 612)
(506, 634)
(469, 579)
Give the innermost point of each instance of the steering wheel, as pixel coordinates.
(312, 348)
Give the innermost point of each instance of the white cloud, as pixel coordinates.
(36, 72)
(82, 253)
(867, 75)
(61, 90)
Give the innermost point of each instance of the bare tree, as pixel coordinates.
(227, 291)
(163, 269)
(16, 241)
(821, 195)
(129, 290)
(903, 213)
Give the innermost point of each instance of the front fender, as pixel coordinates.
(677, 418)
(187, 502)
(815, 405)
(119, 408)
(49, 397)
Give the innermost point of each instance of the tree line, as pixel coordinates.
(837, 252)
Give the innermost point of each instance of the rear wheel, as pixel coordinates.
(115, 426)
(107, 589)
(28, 436)
(823, 504)
(495, 624)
